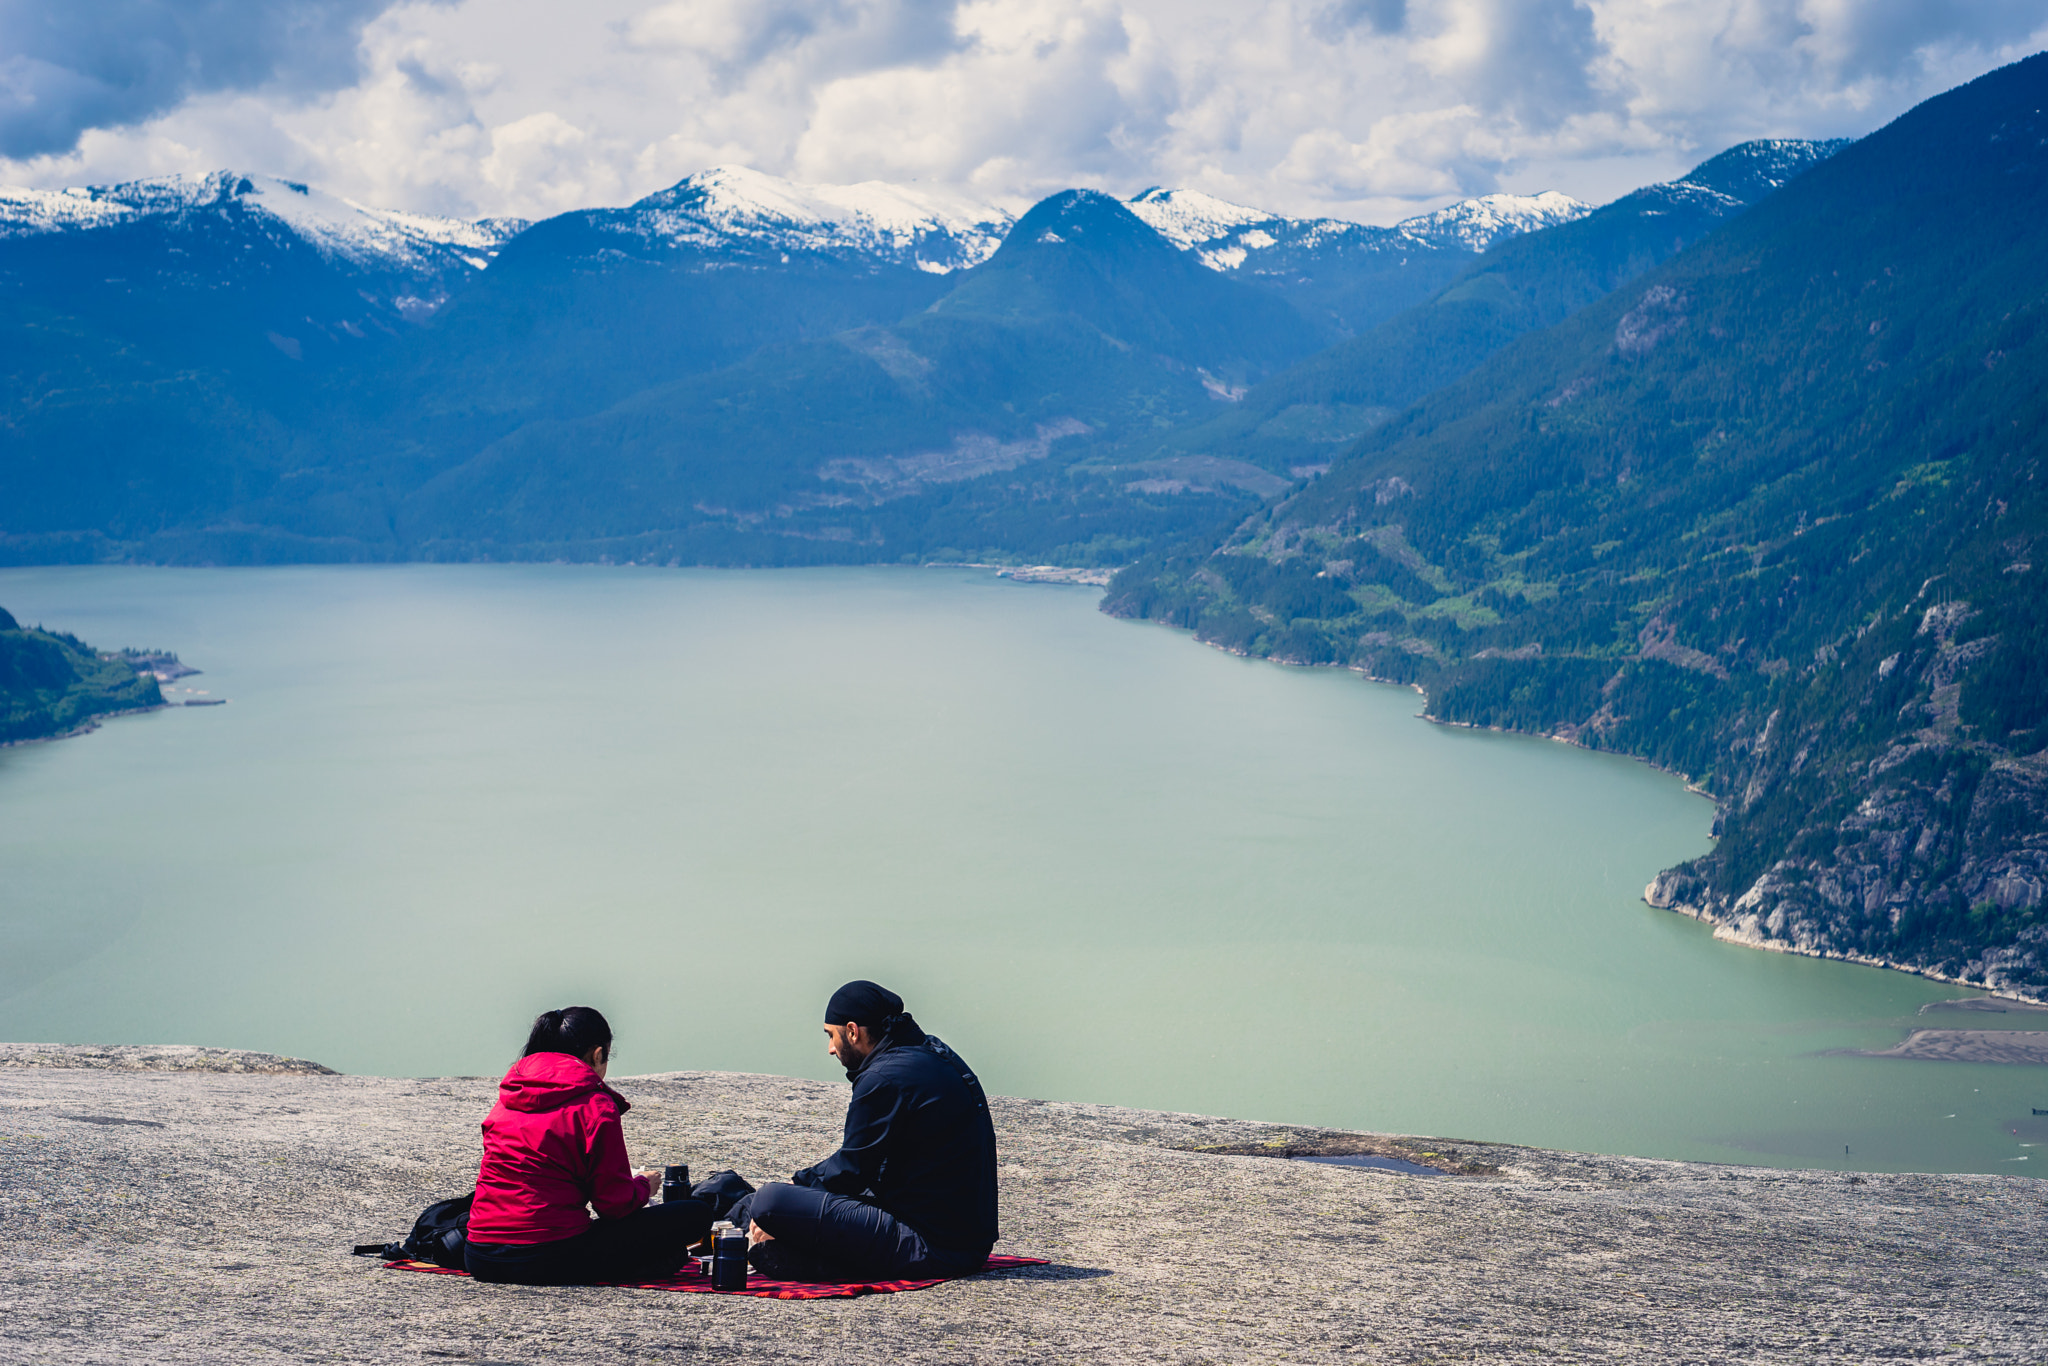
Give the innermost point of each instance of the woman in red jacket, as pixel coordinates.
(552, 1146)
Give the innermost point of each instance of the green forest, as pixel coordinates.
(1768, 516)
(53, 684)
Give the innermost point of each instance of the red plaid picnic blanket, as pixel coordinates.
(696, 1282)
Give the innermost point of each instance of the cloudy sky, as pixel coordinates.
(1370, 109)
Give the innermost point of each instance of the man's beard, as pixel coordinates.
(853, 1068)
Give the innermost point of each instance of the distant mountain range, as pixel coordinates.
(736, 211)
(1531, 280)
(728, 212)
(1347, 277)
(1231, 237)
(1739, 473)
(182, 238)
(1772, 514)
(237, 367)
(371, 240)
(872, 438)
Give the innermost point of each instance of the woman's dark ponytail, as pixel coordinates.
(574, 1030)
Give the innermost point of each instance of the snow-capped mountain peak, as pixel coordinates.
(1189, 218)
(908, 225)
(1478, 223)
(336, 227)
(342, 227)
(1749, 170)
(1223, 235)
(24, 212)
(1226, 236)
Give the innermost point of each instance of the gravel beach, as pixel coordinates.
(191, 1205)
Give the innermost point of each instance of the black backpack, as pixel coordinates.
(439, 1236)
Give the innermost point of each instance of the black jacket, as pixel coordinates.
(918, 1136)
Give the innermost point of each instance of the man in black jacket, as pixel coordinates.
(912, 1190)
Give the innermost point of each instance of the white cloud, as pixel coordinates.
(67, 68)
(1366, 108)
(548, 162)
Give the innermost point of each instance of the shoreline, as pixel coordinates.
(88, 726)
(1723, 930)
(1034, 573)
(1728, 933)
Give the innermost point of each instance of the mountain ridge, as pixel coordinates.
(722, 206)
(1083, 320)
(318, 415)
(351, 235)
(1221, 233)
(1766, 516)
(1525, 282)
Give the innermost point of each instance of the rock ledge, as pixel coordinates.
(198, 1206)
(164, 1057)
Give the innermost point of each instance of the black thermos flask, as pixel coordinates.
(729, 1260)
(675, 1183)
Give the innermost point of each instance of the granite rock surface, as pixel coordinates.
(206, 1216)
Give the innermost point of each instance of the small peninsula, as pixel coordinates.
(54, 684)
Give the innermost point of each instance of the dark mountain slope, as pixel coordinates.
(230, 270)
(100, 438)
(585, 310)
(1772, 516)
(1085, 322)
(1524, 284)
(1346, 277)
(1083, 256)
(164, 344)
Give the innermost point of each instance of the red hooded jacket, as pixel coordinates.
(552, 1144)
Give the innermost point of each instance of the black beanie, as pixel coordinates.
(869, 1004)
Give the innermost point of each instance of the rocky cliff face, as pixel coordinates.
(1925, 849)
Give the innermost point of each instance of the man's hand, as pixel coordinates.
(653, 1175)
(757, 1234)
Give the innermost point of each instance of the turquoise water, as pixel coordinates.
(1107, 863)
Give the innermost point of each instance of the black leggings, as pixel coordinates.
(818, 1236)
(652, 1242)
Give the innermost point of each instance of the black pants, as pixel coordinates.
(818, 1236)
(648, 1244)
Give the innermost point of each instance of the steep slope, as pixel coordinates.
(589, 308)
(1346, 277)
(236, 367)
(1084, 322)
(236, 262)
(1082, 256)
(188, 380)
(734, 208)
(162, 343)
(1769, 516)
(1525, 282)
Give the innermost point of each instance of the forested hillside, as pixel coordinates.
(1771, 516)
(735, 370)
(52, 683)
(905, 438)
(1299, 417)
